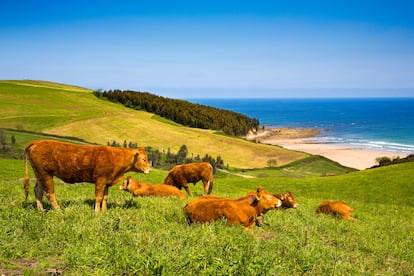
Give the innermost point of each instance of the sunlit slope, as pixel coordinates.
(73, 111)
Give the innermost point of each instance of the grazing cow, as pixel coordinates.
(101, 165)
(137, 188)
(288, 200)
(337, 208)
(242, 211)
(180, 175)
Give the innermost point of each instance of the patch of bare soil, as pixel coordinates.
(18, 266)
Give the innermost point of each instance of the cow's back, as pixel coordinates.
(338, 208)
(204, 209)
(69, 162)
(193, 172)
(73, 163)
(164, 190)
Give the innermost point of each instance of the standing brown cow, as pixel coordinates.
(101, 165)
(180, 175)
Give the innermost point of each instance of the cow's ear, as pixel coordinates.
(280, 197)
(136, 155)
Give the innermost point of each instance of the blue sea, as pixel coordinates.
(385, 124)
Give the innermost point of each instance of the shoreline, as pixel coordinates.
(346, 155)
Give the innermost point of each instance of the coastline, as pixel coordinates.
(347, 155)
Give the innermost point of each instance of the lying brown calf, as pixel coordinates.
(288, 200)
(242, 211)
(336, 208)
(137, 188)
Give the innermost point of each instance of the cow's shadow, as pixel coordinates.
(46, 205)
(129, 204)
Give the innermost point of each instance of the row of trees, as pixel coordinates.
(184, 112)
(168, 159)
(386, 161)
(7, 146)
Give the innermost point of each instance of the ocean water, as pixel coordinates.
(385, 124)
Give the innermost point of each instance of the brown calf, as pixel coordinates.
(288, 200)
(72, 163)
(180, 175)
(336, 208)
(137, 188)
(242, 211)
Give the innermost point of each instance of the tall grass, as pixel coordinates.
(149, 236)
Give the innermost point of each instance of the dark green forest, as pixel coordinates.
(184, 112)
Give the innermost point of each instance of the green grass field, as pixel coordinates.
(148, 236)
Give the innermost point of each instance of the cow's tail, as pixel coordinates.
(26, 179)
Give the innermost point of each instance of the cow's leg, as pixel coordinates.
(185, 185)
(208, 186)
(348, 217)
(105, 198)
(47, 187)
(38, 190)
(100, 186)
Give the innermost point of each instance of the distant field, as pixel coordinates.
(72, 111)
(148, 236)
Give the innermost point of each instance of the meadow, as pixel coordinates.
(150, 236)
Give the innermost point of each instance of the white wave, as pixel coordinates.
(365, 144)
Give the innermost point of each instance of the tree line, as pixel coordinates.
(184, 112)
(387, 161)
(7, 148)
(168, 159)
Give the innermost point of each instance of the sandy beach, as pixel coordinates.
(346, 155)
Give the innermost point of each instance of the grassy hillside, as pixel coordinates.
(150, 236)
(73, 111)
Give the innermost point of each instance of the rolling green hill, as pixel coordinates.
(65, 110)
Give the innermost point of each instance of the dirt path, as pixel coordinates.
(237, 174)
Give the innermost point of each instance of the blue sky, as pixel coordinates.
(191, 49)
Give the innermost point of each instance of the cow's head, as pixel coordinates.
(288, 200)
(125, 184)
(141, 162)
(266, 201)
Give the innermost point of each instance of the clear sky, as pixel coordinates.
(187, 49)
